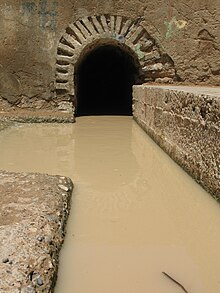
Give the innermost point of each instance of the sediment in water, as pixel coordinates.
(136, 213)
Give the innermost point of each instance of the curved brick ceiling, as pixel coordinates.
(124, 32)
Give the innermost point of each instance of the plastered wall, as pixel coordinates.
(30, 31)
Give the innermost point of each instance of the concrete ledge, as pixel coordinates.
(185, 122)
(36, 116)
(4, 125)
(33, 212)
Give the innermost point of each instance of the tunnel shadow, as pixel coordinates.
(104, 80)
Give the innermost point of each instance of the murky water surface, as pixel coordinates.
(135, 213)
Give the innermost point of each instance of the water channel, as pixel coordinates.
(135, 213)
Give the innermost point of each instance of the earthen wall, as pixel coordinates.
(31, 31)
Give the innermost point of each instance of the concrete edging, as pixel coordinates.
(33, 214)
(186, 124)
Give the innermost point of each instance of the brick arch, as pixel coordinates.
(154, 65)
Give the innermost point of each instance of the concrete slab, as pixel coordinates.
(33, 212)
(185, 122)
(200, 90)
(35, 116)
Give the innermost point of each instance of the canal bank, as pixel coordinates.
(33, 214)
(135, 215)
(185, 122)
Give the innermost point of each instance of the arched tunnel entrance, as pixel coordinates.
(103, 80)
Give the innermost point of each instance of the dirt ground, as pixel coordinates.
(33, 212)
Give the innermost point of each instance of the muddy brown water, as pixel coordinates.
(135, 213)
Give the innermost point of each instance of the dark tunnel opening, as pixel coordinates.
(104, 82)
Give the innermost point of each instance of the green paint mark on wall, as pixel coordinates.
(28, 6)
(139, 52)
(173, 26)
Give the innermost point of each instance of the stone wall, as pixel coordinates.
(32, 30)
(185, 122)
